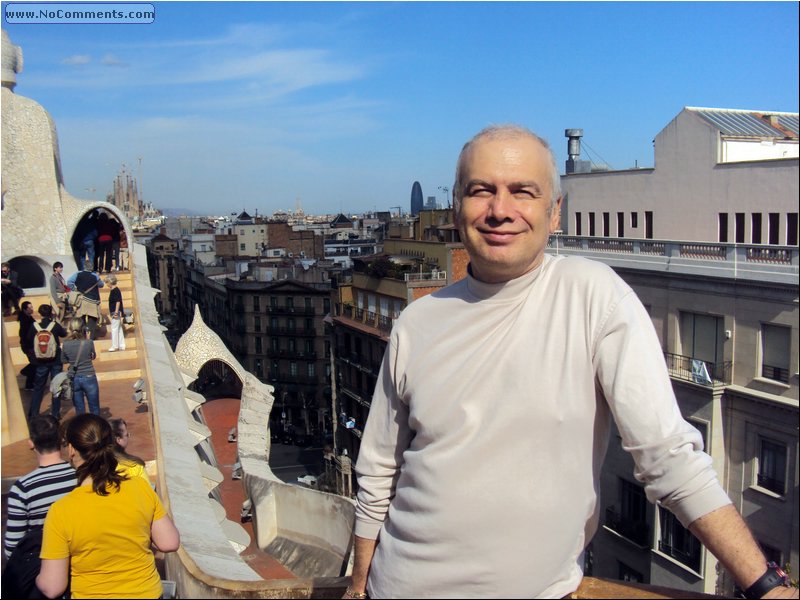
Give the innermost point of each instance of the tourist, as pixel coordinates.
(30, 497)
(480, 460)
(79, 354)
(99, 538)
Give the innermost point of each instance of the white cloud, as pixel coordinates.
(110, 60)
(77, 60)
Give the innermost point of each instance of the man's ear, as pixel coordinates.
(30, 444)
(555, 216)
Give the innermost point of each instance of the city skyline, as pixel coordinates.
(219, 107)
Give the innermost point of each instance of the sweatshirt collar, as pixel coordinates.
(507, 290)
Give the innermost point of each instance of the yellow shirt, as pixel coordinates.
(107, 539)
(132, 469)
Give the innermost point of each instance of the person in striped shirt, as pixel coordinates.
(32, 495)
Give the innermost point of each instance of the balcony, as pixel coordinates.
(754, 262)
(637, 532)
(687, 368)
(290, 310)
(295, 331)
(381, 323)
(431, 276)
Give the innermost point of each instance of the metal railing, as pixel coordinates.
(688, 368)
(777, 373)
(431, 276)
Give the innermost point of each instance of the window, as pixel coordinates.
(326, 305)
(257, 323)
(275, 344)
(273, 322)
(648, 224)
(723, 227)
(258, 345)
(591, 224)
(311, 370)
(291, 345)
(755, 228)
(293, 369)
(307, 302)
(578, 230)
(241, 247)
(772, 466)
(677, 542)
(775, 352)
(702, 338)
(634, 220)
(773, 228)
(290, 302)
(256, 303)
(620, 224)
(308, 346)
(290, 324)
(273, 302)
(791, 229)
(738, 228)
(309, 325)
(259, 368)
(629, 517)
(606, 224)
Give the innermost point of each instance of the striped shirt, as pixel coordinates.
(30, 498)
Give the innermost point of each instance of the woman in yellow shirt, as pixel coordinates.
(127, 464)
(101, 533)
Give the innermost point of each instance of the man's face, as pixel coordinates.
(29, 309)
(504, 218)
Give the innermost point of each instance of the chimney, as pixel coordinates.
(574, 164)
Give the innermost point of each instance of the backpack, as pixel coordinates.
(44, 342)
(19, 576)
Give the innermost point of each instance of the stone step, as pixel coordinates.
(18, 358)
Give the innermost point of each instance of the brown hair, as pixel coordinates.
(91, 436)
(116, 427)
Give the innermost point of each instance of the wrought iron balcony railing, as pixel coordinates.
(699, 371)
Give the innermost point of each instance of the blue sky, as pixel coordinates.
(343, 106)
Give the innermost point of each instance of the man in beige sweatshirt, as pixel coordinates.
(480, 461)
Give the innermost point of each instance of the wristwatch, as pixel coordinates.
(773, 577)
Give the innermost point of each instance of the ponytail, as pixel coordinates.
(91, 436)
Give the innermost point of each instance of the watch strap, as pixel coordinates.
(772, 578)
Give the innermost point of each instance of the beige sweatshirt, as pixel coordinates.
(480, 462)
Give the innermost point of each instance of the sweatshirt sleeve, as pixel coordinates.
(386, 437)
(667, 451)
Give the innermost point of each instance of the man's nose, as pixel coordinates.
(500, 207)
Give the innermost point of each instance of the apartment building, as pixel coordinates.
(708, 240)
(720, 175)
(364, 309)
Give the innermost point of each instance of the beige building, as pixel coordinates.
(720, 175)
(724, 302)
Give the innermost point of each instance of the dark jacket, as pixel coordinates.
(88, 284)
(26, 322)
